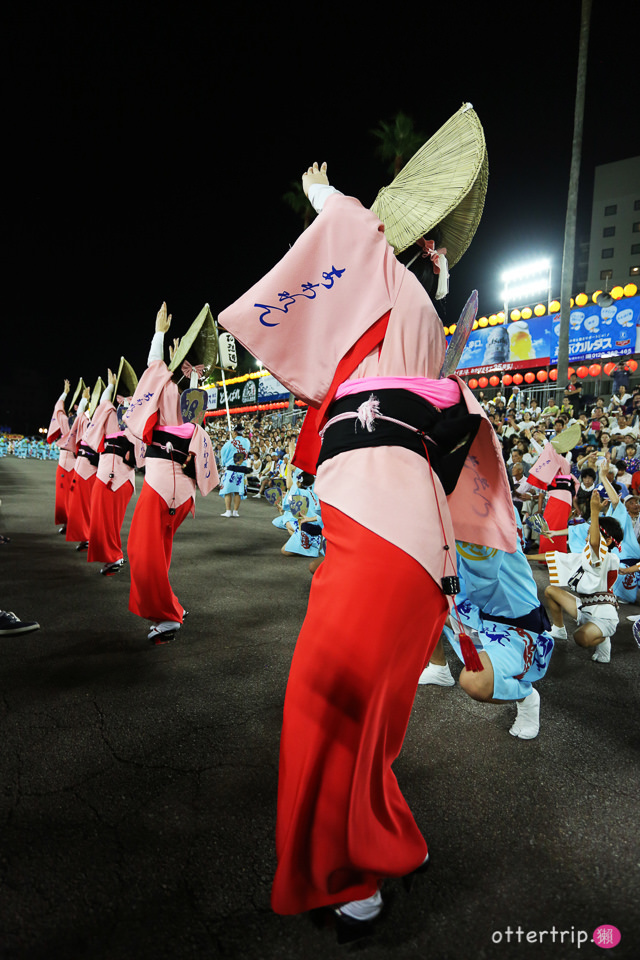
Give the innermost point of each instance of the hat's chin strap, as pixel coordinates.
(439, 262)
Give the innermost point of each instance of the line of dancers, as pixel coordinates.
(409, 476)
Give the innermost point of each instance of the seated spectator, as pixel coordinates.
(622, 476)
(566, 407)
(619, 425)
(527, 422)
(534, 409)
(585, 490)
(552, 409)
(510, 429)
(631, 459)
(632, 504)
(516, 458)
(619, 400)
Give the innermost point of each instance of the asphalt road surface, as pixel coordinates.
(138, 784)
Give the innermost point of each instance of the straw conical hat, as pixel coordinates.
(96, 393)
(126, 380)
(568, 439)
(444, 183)
(77, 393)
(199, 344)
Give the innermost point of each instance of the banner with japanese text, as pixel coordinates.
(594, 333)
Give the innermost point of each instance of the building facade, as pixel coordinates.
(614, 250)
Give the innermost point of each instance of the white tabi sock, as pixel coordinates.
(363, 909)
(527, 722)
(439, 675)
(559, 633)
(603, 651)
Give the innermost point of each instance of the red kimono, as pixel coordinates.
(376, 607)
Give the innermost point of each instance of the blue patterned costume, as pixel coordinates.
(286, 516)
(306, 540)
(234, 481)
(497, 585)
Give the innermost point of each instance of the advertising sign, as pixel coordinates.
(271, 390)
(594, 333)
(600, 331)
(507, 347)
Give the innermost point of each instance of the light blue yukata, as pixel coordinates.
(495, 584)
(306, 540)
(234, 481)
(286, 516)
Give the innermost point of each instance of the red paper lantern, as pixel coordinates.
(553, 375)
(595, 370)
(541, 376)
(507, 379)
(483, 382)
(609, 368)
(582, 372)
(518, 378)
(570, 371)
(473, 384)
(494, 381)
(632, 365)
(529, 377)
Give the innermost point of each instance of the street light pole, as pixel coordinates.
(568, 255)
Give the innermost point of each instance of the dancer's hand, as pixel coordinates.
(314, 175)
(172, 349)
(111, 378)
(163, 320)
(86, 393)
(67, 386)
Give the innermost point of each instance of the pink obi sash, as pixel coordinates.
(184, 430)
(440, 393)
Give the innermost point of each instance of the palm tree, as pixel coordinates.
(295, 198)
(399, 140)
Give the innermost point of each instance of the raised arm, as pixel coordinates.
(163, 322)
(606, 483)
(594, 525)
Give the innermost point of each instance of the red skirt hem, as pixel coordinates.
(373, 619)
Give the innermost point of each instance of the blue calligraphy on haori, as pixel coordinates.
(307, 290)
(207, 472)
(137, 403)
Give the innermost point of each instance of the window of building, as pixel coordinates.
(636, 204)
(635, 248)
(634, 272)
(607, 253)
(636, 227)
(609, 232)
(611, 210)
(606, 274)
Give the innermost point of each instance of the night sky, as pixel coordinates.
(149, 149)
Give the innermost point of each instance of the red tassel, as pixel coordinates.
(469, 654)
